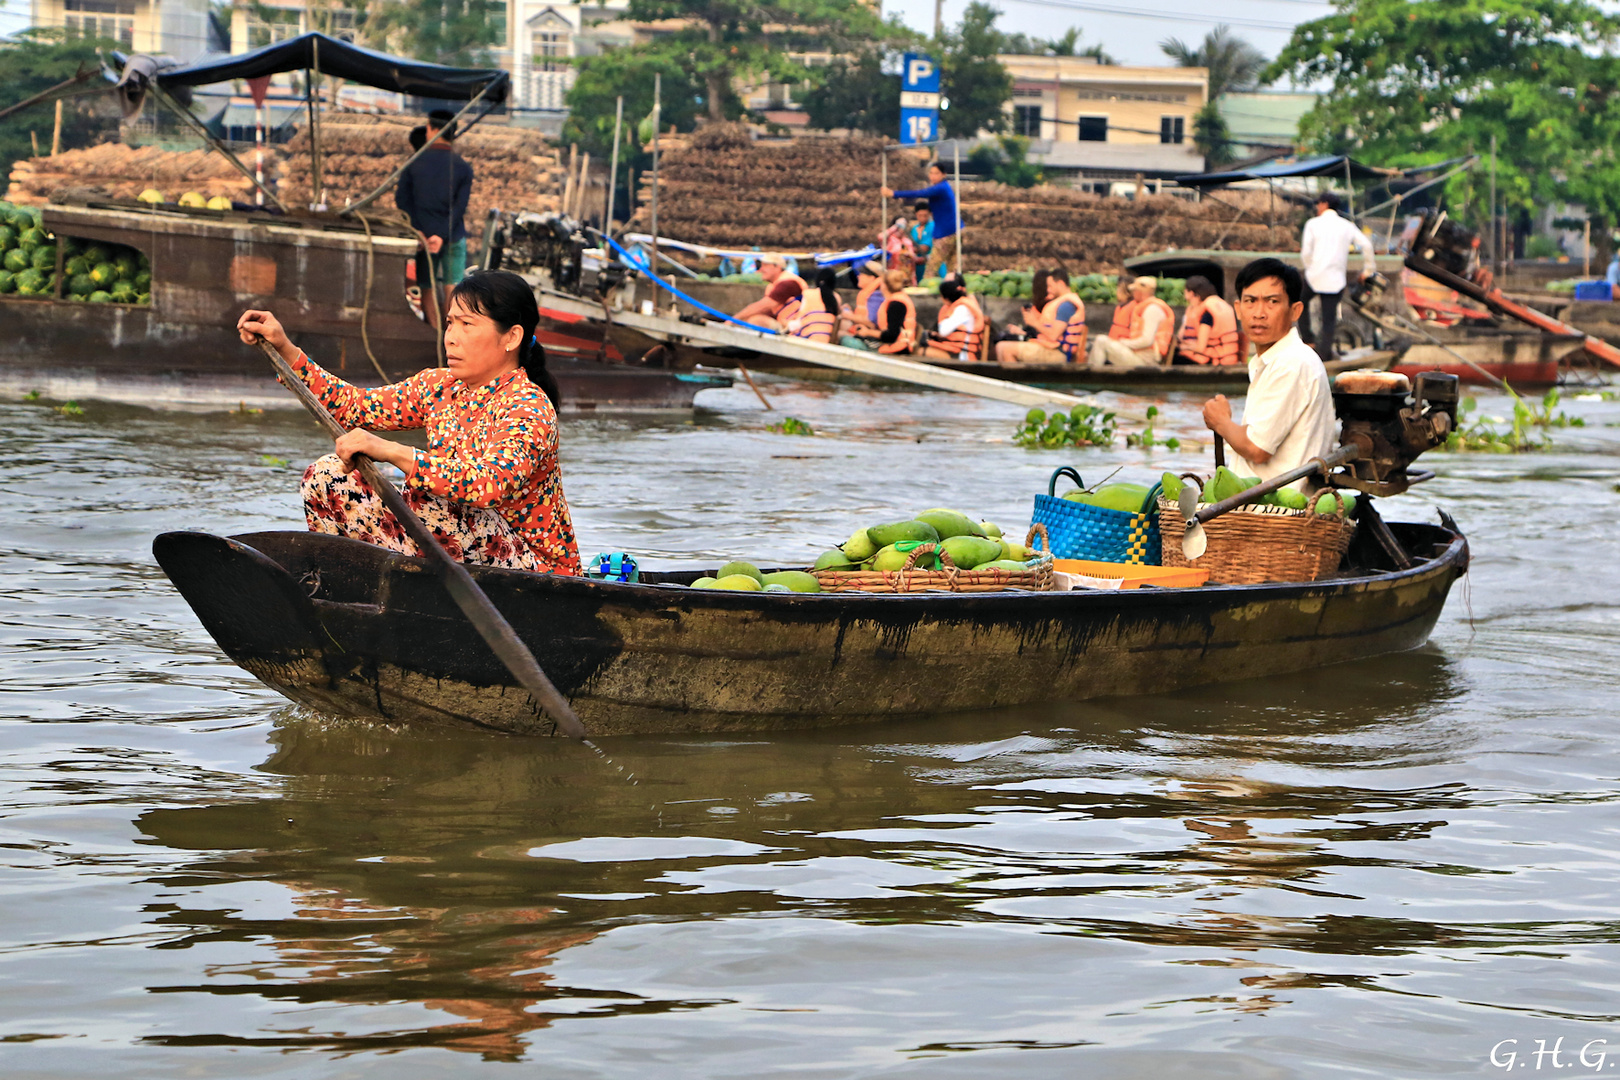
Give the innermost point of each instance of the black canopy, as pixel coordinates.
(1271, 170)
(340, 58)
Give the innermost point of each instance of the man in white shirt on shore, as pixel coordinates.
(1288, 416)
(1325, 253)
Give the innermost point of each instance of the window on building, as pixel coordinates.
(111, 19)
(1094, 129)
(495, 14)
(549, 52)
(1027, 121)
(1172, 129)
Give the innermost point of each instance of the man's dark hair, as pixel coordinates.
(1200, 286)
(1261, 269)
(1333, 202)
(937, 165)
(509, 301)
(444, 121)
(418, 137)
(1059, 273)
(921, 204)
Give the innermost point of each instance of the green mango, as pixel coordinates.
(833, 559)
(1328, 505)
(992, 531)
(895, 531)
(732, 569)
(859, 546)
(1170, 484)
(894, 557)
(739, 583)
(777, 588)
(968, 552)
(1291, 498)
(1126, 497)
(793, 581)
(703, 583)
(949, 523)
(1225, 485)
(1013, 565)
(1016, 552)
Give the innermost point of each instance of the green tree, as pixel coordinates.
(855, 94)
(975, 83)
(1212, 137)
(1413, 81)
(1066, 44)
(1233, 63)
(35, 60)
(456, 32)
(1006, 163)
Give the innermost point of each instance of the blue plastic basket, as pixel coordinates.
(1593, 290)
(1079, 531)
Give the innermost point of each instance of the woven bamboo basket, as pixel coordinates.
(1253, 545)
(909, 579)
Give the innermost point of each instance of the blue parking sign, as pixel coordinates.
(919, 99)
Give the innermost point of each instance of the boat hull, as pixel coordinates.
(349, 628)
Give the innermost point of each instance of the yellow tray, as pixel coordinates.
(1134, 576)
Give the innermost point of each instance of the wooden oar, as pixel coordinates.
(489, 622)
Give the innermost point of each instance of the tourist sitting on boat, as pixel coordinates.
(961, 323)
(1209, 332)
(1288, 416)
(896, 330)
(864, 312)
(1124, 309)
(818, 309)
(779, 305)
(1057, 317)
(489, 483)
(1153, 327)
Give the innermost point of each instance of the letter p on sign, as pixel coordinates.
(919, 70)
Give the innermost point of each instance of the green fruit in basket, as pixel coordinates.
(895, 531)
(992, 531)
(949, 523)
(125, 265)
(793, 581)
(858, 547)
(101, 296)
(832, 559)
(732, 569)
(16, 260)
(1126, 497)
(768, 588)
(80, 285)
(968, 552)
(1327, 504)
(104, 274)
(1170, 484)
(44, 257)
(31, 237)
(1225, 485)
(738, 583)
(704, 583)
(1016, 552)
(1012, 566)
(1292, 498)
(123, 293)
(76, 266)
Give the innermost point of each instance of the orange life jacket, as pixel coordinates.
(1123, 316)
(1064, 335)
(1167, 325)
(816, 323)
(964, 339)
(863, 309)
(1222, 346)
(908, 329)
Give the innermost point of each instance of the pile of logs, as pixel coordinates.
(123, 172)
(722, 188)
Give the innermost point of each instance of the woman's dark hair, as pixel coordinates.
(1261, 269)
(508, 301)
(827, 285)
(951, 290)
(418, 137)
(1037, 290)
(1200, 286)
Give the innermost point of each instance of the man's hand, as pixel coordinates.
(1217, 413)
(361, 441)
(888, 192)
(435, 244)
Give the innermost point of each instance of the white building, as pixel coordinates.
(546, 37)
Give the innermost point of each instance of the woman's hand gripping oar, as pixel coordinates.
(489, 622)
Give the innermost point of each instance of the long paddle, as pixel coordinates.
(489, 622)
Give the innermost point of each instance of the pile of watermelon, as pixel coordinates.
(92, 272)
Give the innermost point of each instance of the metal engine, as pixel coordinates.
(557, 249)
(1391, 429)
(1435, 238)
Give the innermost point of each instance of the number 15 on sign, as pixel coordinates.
(917, 125)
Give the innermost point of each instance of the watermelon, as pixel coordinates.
(77, 265)
(8, 281)
(125, 265)
(30, 283)
(31, 237)
(96, 254)
(76, 298)
(143, 281)
(44, 256)
(99, 297)
(104, 274)
(123, 293)
(21, 219)
(143, 298)
(81, 285)
(70, 246)
(15, 260)
(8, 237)
(143, 262)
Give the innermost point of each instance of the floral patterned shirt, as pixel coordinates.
(492, 446)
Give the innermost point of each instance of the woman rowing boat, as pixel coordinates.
(488, 484)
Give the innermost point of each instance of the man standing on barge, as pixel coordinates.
(1288, 416)
(433, 191)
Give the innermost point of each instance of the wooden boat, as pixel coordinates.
(349, 628)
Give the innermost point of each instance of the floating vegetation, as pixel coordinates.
(270, 462)
(792, 425)
(1145, 438)
(1087, 425)
(1527, 429)
(70, 409)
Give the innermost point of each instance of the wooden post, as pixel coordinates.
(568, 180)
(957, 202)
(883, 202)
(33, 137)
(315, 124)
(584, 182)
(56, 132)
(1586, 249)
(652, 263)
(613, 169)
(1496, 232)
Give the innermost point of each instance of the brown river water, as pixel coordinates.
(1402, 867)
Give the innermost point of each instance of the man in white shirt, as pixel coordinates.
(1288, 416)
(1148, 344)
(1325, 253)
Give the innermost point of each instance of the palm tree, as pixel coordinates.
(1233, 63)
(1069, 45)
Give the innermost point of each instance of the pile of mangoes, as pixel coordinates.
(91, 272)
(1227, 483)
(745, 577)
(972, 545)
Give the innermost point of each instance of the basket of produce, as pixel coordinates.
(961, 562)
(1117, 523)
(1288, 536)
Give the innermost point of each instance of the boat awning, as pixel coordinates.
(346, 61)
(1334, 166)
